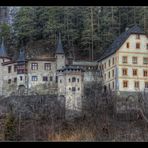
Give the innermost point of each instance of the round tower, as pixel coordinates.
(71, 86)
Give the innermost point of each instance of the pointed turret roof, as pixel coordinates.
(3, 52)
(59, 49)
(21, 57)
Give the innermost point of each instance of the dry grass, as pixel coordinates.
(77, 135)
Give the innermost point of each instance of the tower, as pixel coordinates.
(3, 58)
(21, 73)
(60, 56)
(71, 86)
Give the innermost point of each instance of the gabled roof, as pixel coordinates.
(59, 49)
(120, 40)
(3, 52)
(21, 57)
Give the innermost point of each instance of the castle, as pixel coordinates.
(123, 67)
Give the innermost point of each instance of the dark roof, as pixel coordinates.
(119, 41)
(3, 52)
(71, 67)
(21, 57)
(59, 49)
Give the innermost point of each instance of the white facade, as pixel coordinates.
(128, 65)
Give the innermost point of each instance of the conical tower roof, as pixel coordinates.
(21, 57)
(3, 53)
(59, 49)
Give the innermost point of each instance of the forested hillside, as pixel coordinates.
(86, 30)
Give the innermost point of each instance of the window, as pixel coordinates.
(109, 86)
(137, 36)
(105, 76)
(78, 80)
(125, 84)
(69, 88)
(56, 79)
(113, 61)
(15, 68)
(15, 80)
(113, 73)
(69, 79)
(124, 59)
(109, 63)
(9, 69)
(145, 73)
(47, 66)
(146, 84)
(134, 60)
(45, 78)
(9, 81)
(147, 46)
(136, 84)
(127, 45)
(60, 81)
(34, 78)
(105, 65)
(137, 45)
(21, 78)
(134, 72)
(124, 71)
(145, 60)
(73, 79)
(113, 84)
(34, 66)
(73, 89)
(109, 74)
(78, 88)
(51, 78)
